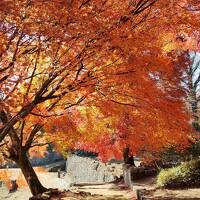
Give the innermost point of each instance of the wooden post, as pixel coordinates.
(13, 186)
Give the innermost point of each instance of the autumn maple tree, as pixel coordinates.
(78, 72)
(157, 119)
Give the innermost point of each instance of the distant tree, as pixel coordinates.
(192, 81)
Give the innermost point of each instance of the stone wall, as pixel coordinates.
(50, 157)
(84, 170)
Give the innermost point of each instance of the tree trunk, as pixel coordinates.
(31, 178)
(128, 159)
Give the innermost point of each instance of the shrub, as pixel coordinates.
(186, 174)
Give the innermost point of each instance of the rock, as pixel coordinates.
(45, 196)
(48, 192)
(84, 169)
(38, 197)
(141, 193)
(53, 191)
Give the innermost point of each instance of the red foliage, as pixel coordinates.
(115, 60)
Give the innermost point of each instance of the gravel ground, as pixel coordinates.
(21, 194)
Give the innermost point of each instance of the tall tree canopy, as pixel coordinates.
(84, 72)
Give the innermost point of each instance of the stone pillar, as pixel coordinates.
(127, 175)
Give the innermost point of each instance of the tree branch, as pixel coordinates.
(34, 131)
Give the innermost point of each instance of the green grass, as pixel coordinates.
(185, 175)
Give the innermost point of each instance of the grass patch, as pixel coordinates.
(185, 175)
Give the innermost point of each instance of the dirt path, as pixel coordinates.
(108, 192)
(50, 180)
